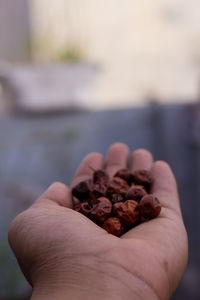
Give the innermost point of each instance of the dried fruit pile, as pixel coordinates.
(119, 204)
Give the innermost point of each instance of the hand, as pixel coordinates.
(64, 255)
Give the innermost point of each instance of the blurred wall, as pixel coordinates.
(146, 48)
(14, 30)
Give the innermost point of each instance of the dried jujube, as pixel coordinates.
(101, 210)
(149, 207)
(128, 212)
(136, 193)
(84, 208)
(82, 190)
(100, 177)
(117, 186)
(116, 207)
(116, 198)
(126, 175)
(119, 203)
(98, 190)
(114, 226)
(100, 183)
(143, 177)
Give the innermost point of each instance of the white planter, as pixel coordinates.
(46, 88)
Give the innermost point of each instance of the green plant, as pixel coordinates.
(71, 53)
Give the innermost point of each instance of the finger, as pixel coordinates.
(165, 235)
(91, 162)
(141, 159)
(164, 186)
(117, 158)
(58, 193)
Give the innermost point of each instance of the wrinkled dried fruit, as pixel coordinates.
(82, 190)
(117, 186)
(100, 177)
(113, 225)
(83, 208)
(116, 207)
(119, 204)
(126, 175)
(136, 193)
(116, 198)
(98, 190)
(143, 177)
(101, 210)
(149, 207)
(128, 212)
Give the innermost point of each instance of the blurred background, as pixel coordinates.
(76, 76)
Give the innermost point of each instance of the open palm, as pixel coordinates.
(57, 246)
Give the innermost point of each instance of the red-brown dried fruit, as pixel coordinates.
(128, 212)
(100, 177)
(84, 208)
(90, 198)
(116, 198)
(101, 210)
(116, 207)
(143, 177)
(125, 174)
(136, 193)
(82, 190)
(117, 186)
(113, 225)
(98, 190)
(149, 207)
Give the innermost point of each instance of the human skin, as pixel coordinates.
(64, 255)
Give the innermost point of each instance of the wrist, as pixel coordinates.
(92, 293)
(92, 282)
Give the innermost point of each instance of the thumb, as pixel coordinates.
(57, 194)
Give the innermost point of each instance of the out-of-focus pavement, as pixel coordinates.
(37, 150)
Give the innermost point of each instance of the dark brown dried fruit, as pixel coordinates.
(100, 177)
(83, 208)
(98, 190)
(82, 190)
(128, 212)
(136, 193)
(116, 207)
(101, 210)
(113, 225)
(126, 175)
(90, 198)
(117, 186)
(116, 198)
(149, 207)
(143, 177)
